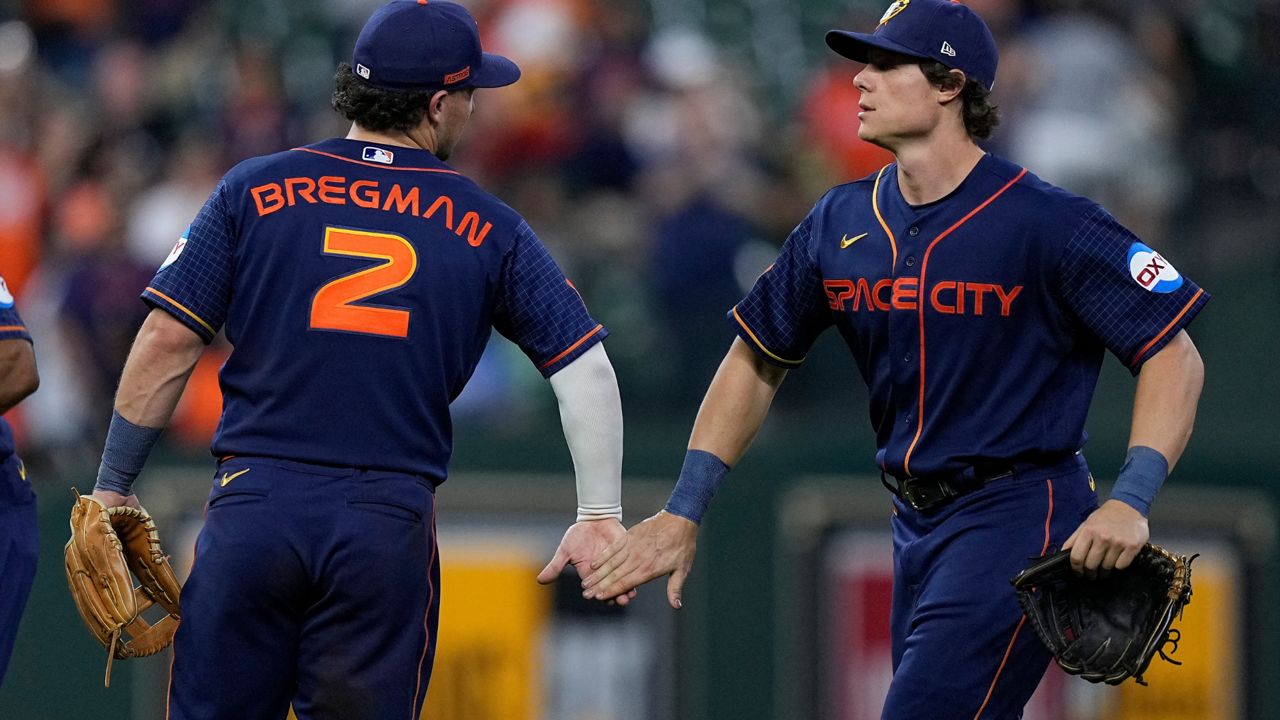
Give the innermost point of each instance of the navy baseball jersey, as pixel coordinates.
(978, 321)
(19, 530)
(375, 273)
(11, 328)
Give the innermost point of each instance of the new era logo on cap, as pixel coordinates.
(378, 155)
(947, 49)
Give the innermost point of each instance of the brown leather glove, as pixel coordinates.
(105, 545)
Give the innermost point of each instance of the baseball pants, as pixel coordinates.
(312, 586)
(19, 549)
(961, 647)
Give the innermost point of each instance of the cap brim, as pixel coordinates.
(855, 45)
(495, 71)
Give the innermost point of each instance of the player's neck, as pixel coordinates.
(415, 138)
(930, 171)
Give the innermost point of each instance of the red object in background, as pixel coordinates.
(200, 408)
(830, 113)
(21, 203)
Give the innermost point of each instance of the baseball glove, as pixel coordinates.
(105, 545)
(1110, 628)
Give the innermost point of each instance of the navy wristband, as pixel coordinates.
(126, 451)
(700, 477)
(1140, 478)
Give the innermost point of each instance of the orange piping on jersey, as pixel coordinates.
(1048, 518)
(759, 344)
(376, 165)
(924, 266)
(1165, 331)
(875, 207)
(183, 308)
(570, 349)
(11, 328)
(426, 616)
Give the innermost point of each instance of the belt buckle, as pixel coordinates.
(924, 496)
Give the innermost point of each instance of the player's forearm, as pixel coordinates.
(736, 404)
(163, 355)
(591, 416)
(18, 375)
(731, 414)
(1164, 409)
(1164, 406)
(160, 362)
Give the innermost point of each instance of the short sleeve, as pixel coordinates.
(1124, 292)
(786, 310)
(539, 309)
(194, 283)
(11, 325)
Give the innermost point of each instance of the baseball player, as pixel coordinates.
(357, 279)
(977, 301)
(18, 531)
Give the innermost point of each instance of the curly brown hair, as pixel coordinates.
(376, 109)
(980, 116)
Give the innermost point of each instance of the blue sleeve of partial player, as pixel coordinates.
(11, 325)
(787, 309)
(1124, 292)
(539, 310)
(194, 283)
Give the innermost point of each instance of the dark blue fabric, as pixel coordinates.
(256, 257)
(700, 477)
(11, 328)
(1019, 302)
(942, 30)
(11, 325)
(126, 451)
(955, 613)
(1140, 478)
(19, 551)
(314, 586)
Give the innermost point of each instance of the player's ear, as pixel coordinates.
(435, 108)
(951, 86)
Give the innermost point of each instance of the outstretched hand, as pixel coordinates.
(1110, 537)
(582, 543)
(661, 545)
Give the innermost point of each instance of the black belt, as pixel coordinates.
(931, 491)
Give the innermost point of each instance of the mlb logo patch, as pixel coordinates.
(378, 155)
(6, 297)
(362, 71)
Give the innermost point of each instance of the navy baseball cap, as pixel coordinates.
(427, 45)
(941, 30)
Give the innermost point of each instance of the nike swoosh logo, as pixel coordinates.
(22, 470)
(846, 241)
(228, 478)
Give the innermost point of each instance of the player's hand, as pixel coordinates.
(114, 499)
(582, 543)
(664, 544)
(1109, 538)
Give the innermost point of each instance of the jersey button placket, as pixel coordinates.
(904, 339)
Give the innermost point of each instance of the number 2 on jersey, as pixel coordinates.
(334, 305)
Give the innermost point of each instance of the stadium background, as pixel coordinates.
(662, 150)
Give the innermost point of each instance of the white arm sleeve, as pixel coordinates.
(591, 415)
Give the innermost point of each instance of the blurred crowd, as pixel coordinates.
(661, 149)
